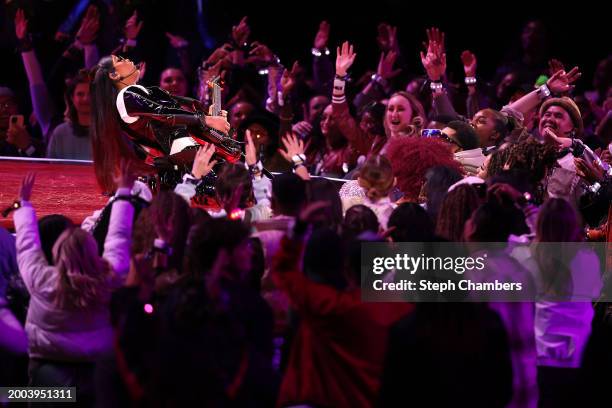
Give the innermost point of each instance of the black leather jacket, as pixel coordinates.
(161, 118)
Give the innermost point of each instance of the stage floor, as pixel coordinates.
(62, 187)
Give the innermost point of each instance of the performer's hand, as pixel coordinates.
(202, 165)
(219, 123)
(27, 184)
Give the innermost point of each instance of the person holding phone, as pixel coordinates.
(15, 139)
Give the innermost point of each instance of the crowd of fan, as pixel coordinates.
(258, 303)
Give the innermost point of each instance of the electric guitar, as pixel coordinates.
(226, 148)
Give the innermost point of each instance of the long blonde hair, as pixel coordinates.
(418, 115)
(84, 278)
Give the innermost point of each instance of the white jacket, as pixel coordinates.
(59, 334)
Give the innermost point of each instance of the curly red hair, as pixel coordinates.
(411, 157)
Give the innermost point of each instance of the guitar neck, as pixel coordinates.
(216, 100)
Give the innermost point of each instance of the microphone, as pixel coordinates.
(122, 77)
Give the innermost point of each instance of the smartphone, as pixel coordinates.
(15, 121)
(435, 133)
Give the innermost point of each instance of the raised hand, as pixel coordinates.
(554, 66)
(125, 177)
(434, 35)
(469, 63)
(241, 32)
(293, 146)
(219, 54)
(250, 152)
(261, 52)
(88, 31)
(176, 41)
(434, 61)
(202, 165)
(551, 137)
(344, 58)
(302, 128)
(27, 184)
(289, 78)
(387, 38)
(21, 25)
(322, 37)
(562, 81)
(385, 65)
(132, 27)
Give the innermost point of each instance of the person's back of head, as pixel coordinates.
(558, 221)
(234, 184)
(288, 194)
(324, 258)
(207, 240)
(456, 208)
(411, 223)
(411, 157)
(535, 158)
(495, 221)
(167, 218)
(321, 189)
(437, 181)
(50, 228)
(357, 220)
(376, 177)
(85, 278)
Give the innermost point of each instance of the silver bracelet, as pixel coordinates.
(594, 188)
(436, 86)
(543, 91)
(317, 52)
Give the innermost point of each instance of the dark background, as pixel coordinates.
(579, 33)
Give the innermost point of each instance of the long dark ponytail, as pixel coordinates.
(108, 141)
